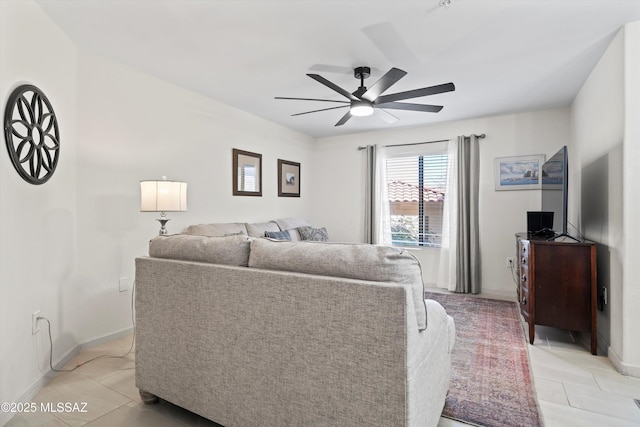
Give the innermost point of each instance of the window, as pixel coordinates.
(416, 189)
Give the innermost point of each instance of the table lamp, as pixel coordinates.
(163, 196)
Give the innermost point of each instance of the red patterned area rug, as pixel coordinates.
(491, 382)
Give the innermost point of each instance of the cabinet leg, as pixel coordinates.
(532, 332)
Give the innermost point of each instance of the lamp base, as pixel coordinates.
(163, 229)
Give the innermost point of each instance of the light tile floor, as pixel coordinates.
(574, 388)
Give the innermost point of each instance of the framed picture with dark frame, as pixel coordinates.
(288, 178)
(247, 173)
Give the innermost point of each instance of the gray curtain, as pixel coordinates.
(468, 246)
(369, 196)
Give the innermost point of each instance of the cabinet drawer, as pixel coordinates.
(524, 253)
(524, 276)
(523, 273)
(525, 303)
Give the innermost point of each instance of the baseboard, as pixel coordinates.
(509, 295)
(31, 391)
(106, 338)
(41, 382)
(622, 367)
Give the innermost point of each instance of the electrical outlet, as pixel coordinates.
(34, 322)
(511, 262)
(123, 284)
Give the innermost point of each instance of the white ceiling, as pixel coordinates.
(502, 55)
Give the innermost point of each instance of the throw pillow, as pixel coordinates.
(278, 235)
(313, 234)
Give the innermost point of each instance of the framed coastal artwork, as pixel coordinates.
(518, 173)
(288, 178)
(247, 173)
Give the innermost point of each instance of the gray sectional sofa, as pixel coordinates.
(254, 332)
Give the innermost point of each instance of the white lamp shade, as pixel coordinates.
(163, 196)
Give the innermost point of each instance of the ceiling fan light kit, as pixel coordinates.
(363, 101)
(361, 108)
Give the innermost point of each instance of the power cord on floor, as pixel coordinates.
(133, 340)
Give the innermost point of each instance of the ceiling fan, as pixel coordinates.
(363, 101)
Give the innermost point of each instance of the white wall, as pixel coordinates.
(37, 223)
(629, 362)
(65, 244)
(132, 127)
(339, 191)
(597, 174)
(605, 137)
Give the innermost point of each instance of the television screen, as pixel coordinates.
(555, 173)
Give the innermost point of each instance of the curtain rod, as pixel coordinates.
(481, 136)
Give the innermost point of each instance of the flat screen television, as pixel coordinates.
(555, 184)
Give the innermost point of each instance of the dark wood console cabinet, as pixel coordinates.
(557, 285)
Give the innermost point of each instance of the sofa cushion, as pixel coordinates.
(278, 235)
(217, 229)
(291, 223)
(313, 234)
(258, 229)
(353, 261)
(229, 250)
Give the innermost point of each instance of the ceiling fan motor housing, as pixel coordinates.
(361, 72)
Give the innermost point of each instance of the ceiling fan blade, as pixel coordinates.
(411, 107)
(384, 83)
(322, 109)
(392, 45)
(386, 116)
(415, 93)
(310, 99)
(344, 119)
(332, 86)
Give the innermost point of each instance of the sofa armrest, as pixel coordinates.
(429, 365)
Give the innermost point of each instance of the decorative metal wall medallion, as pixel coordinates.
(31, 133)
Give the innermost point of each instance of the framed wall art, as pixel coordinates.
(31, 134)
(247, 173)
(518, 173)
(288, 178)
